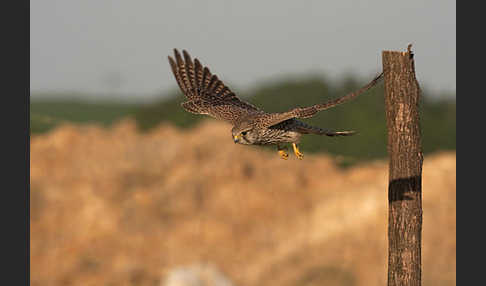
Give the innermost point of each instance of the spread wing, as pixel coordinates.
(307, 112)
(206, 93)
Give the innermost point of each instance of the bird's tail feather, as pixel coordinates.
(308, 129)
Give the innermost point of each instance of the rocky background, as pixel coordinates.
(114, 206)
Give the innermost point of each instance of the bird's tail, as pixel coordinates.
(308, 129)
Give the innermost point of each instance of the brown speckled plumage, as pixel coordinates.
(207, 94)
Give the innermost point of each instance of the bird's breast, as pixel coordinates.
(274, 136)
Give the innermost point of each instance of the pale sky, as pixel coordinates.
(81, 45)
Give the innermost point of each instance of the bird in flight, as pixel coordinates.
(207, 94)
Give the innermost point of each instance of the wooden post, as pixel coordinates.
(402, 95)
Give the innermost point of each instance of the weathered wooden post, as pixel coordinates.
(402, 95)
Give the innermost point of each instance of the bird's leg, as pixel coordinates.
(297, 152)
(281, 151)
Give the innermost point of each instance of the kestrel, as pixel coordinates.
(206, 94)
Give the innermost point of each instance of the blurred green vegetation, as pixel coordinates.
(46, 114)
(365, 114)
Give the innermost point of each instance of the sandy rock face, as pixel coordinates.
(115, 206)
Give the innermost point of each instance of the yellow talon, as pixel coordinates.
(297, 152)
(283, 154)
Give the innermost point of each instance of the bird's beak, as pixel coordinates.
(236, 138)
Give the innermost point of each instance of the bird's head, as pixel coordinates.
(244, 133)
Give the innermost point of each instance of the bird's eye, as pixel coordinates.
(243, 133)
